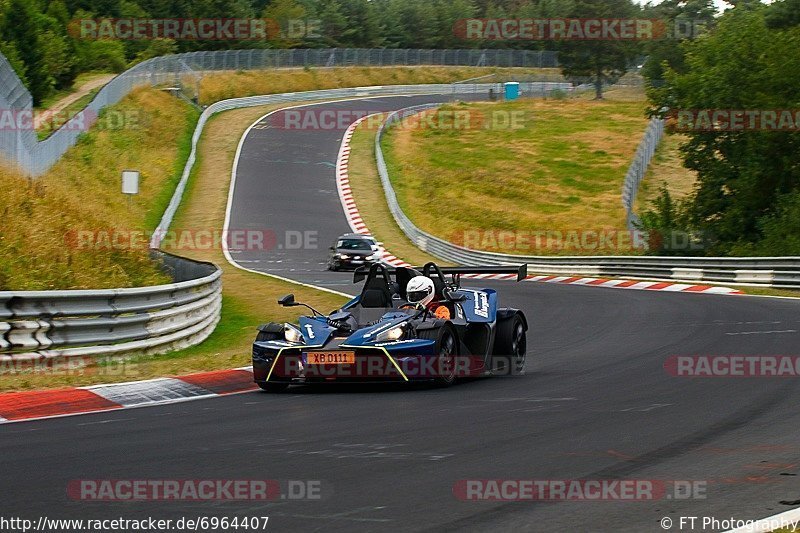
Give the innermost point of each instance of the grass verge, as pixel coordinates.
(56, 230)
(666, 169)
(368, 193)
(248, 298)
(559, 169)
(219, 86)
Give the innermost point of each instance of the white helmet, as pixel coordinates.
(420, 290)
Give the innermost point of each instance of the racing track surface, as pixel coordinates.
(595, 403)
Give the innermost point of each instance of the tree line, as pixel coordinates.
(36, 36)
(747, 197)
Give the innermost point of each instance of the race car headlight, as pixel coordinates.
(292, 334)
(393, 334)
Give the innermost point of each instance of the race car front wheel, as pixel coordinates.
(273, 387)
(447, 349)
(510, 346)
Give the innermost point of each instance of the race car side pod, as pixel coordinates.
(521, 271)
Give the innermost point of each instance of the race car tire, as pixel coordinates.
(447, 348)
(267, 336)
(273, 387)
(510, 346)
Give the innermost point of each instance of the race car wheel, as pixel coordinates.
(273, 387)
(447, 349)
(267, 336)
(510, 346)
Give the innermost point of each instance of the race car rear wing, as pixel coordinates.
(521, 271)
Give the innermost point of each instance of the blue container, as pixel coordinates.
(512, 90)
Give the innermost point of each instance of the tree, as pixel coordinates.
(742, 65)
(597, 61)
(21, 29)
(685, 19)
(282, 14)
(784, 14)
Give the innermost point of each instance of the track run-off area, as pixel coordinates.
(596, 401)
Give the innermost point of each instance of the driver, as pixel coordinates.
(421, 292)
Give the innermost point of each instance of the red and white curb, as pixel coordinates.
(39, 404)
(358, 226)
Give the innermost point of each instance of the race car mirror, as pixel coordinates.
(287, 301)
(455, 297)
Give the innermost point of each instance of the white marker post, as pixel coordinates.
(130, 184)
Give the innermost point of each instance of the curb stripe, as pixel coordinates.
(149, 392)
(27, 405)
(358, 226)
(40, 404)
(223, 381)
(48, 403)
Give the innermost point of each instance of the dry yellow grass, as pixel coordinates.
(369, 196)
(667, 169)
(40, 244)
(561, 172)
(248, 299)
(205, 208)
(219, 86)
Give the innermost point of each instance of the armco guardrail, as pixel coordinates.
(36, 326)
(777, 272)
(528, 88)
(21, 147)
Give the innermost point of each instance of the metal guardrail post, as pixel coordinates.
(44, 325)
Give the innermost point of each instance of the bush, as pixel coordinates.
(103, 56)
(670, 232)
(780, 231)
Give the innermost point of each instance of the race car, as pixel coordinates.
(415, 326)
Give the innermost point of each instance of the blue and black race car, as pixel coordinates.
(395, 330)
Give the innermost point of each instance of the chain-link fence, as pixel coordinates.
(638, 169)
(20, 146)
(15, 101)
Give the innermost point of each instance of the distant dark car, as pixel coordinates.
(352, 251)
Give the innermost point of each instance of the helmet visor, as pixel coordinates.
(418, 296)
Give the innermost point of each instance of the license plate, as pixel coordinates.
(331, 358)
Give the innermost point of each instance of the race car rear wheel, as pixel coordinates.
(510, 346)
(273, 387)
(447, 349)
(265, 335)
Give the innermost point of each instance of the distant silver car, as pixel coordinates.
(353, 250)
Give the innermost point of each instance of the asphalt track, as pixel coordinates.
(596, 403)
